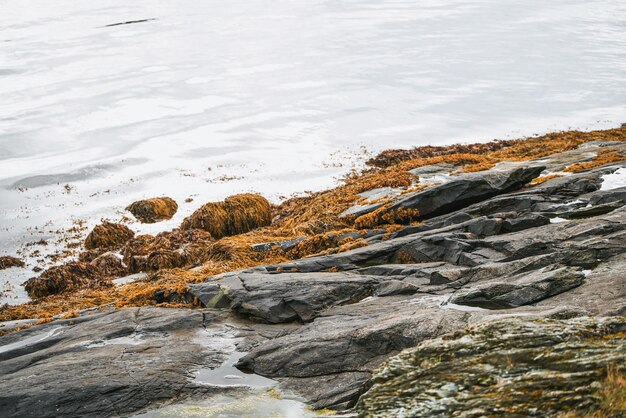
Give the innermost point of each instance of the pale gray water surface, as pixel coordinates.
(211, 98)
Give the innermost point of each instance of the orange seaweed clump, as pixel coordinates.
(384, 215)
(8, 262)
(177, 248)
(321, 242)
(482, 166)
(543, 179)
(403, 257)
(604, 157)
(153, 210)
(454, 159)
(508, 150)
(613, 393)
(348, 244)
(376, 180)
(108, 236)
(235, 215)
(60, 279)
(312, 215)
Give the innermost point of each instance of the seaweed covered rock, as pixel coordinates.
(235, 215)
(164, 259)
(177, 248)
(60, 279)
(109, 236)
(507, 367)
(88, 256)
(153, 210)
(109, 265)
(8, 262)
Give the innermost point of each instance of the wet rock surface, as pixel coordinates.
(107, 364)
(535, 271)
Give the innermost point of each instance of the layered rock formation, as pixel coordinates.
(507, 299)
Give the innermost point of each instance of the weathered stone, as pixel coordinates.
(521, 290)
(321, 325)
(519, 223)
(350, 339)
(106, 364)
(290, 296)
(458, 194)
(509, 367)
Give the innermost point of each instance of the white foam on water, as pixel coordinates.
(614, 180)
(558, 220)
(228, 375)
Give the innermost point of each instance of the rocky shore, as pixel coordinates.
(486, 281)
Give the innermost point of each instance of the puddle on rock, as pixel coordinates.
(28, 341)
(228, 375)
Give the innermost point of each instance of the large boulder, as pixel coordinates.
(153, 210)
(458, 194)
(235, 215)
(330, 359)
(450, 196)
(285, 297)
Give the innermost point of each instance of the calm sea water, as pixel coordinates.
(209, 98)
